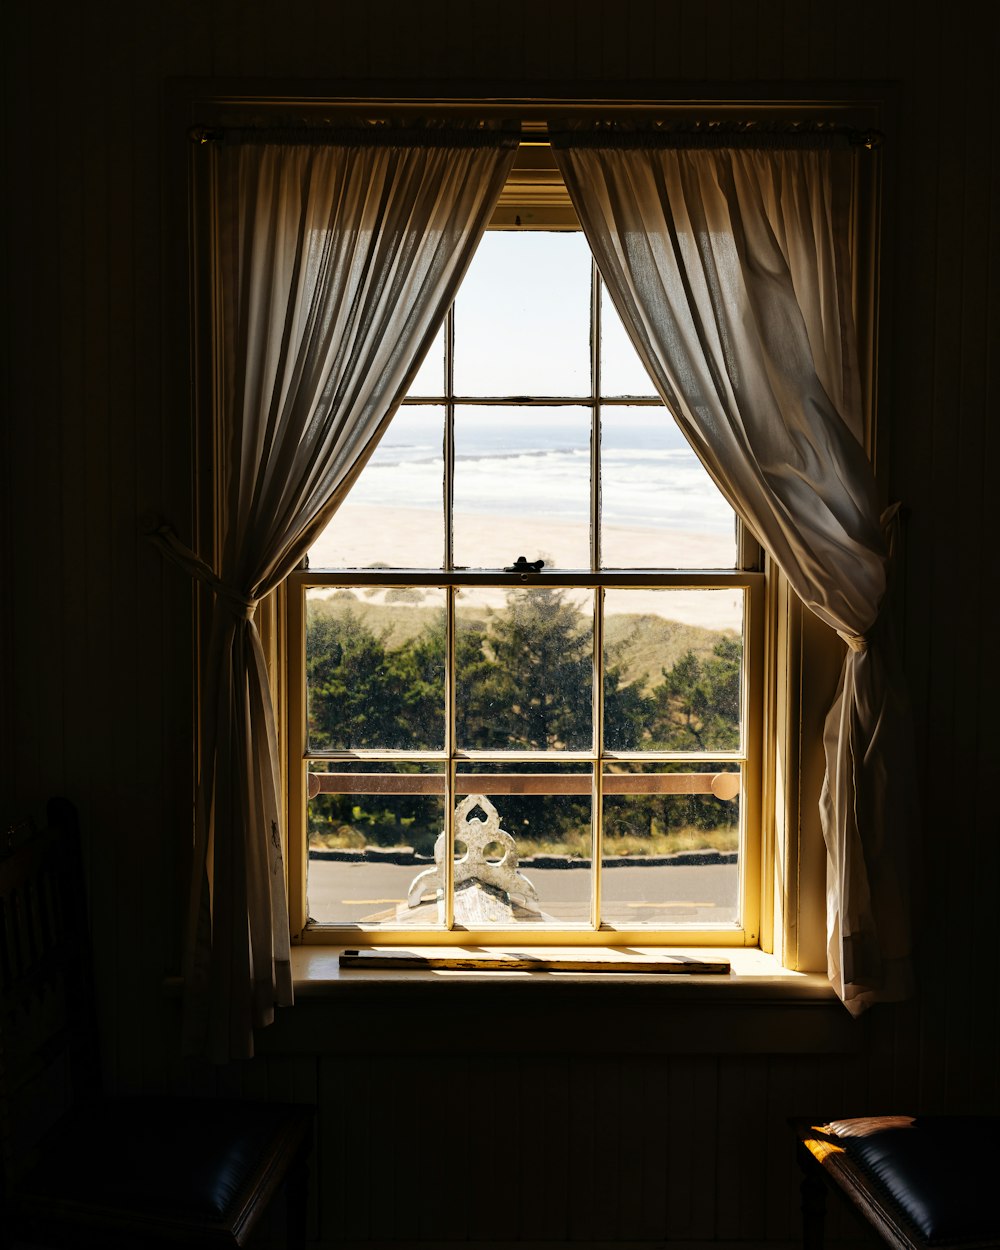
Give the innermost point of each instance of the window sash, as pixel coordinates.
(454, 784)
(749, 554)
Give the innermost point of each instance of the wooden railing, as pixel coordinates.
(723, 785)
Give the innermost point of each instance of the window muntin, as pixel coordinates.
(559, 490)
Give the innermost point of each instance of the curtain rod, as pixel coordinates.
(723, 134)
(375, 136)
(750, 135)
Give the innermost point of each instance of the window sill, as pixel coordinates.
(754, 976)
(759, 1008)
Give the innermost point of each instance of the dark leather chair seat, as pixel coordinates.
(940, 1171)
(925, 1181)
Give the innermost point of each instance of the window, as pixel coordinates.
(483, 750)
(790, 661)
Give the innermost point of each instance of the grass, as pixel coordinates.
(647, 644)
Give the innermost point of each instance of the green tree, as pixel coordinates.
(534, 689)
(627, 708)
(697, 705)
(722, 675)
(696, 708)
(365, 695)
(415, 671)
(353, 698)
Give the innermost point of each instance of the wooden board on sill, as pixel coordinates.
(522, 961)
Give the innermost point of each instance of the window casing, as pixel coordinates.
(799, 657)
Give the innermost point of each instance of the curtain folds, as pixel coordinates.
(731, 271)
(337, 264)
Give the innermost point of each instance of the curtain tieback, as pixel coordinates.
(890, 522)
(163, 536)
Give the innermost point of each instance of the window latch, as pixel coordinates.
(521, 565)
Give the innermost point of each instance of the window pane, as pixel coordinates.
(622, 372)
(369, 839)
(673, 670)
(429, 382)
(522, 487)
(536, 839)
(524, 669)
(394, 515)
(522, 316)
(671, 845)
(375, 662)
(659, 508)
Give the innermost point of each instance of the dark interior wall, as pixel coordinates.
(96, 652)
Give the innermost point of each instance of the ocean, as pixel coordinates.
(536, 461)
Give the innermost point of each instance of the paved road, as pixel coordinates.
(345, 893)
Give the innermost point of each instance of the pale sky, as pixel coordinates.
(537, 286)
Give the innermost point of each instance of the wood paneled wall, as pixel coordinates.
(96, 651)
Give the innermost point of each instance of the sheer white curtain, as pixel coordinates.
(336, 266)
(731, 270)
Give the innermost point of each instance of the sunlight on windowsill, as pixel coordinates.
(317, 971)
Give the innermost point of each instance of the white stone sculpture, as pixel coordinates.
(474, 866)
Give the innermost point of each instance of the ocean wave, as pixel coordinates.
(651, 488)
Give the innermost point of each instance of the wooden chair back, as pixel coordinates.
(48, 1039)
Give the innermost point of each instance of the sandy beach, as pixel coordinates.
(361, 536)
